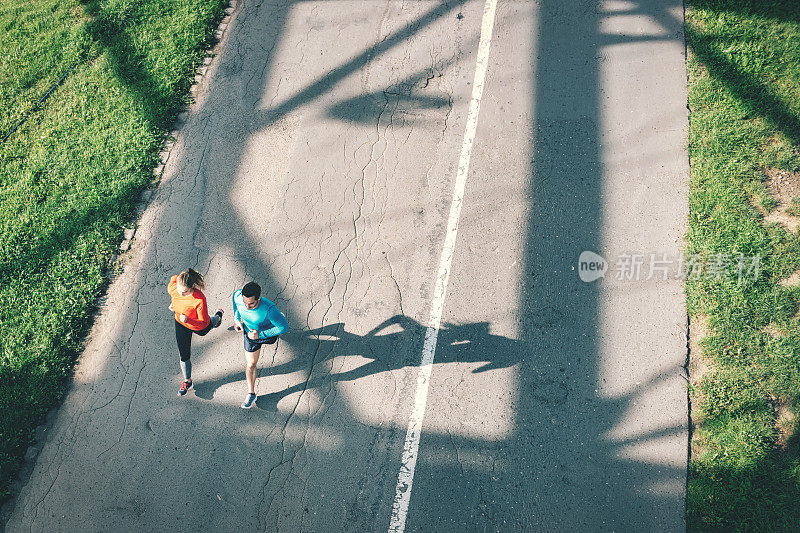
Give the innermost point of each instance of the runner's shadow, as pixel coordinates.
(393, 344)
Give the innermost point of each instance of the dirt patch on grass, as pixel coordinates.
(773, 331)
(791, 281)
(784, 421)
(697, 368)
(782, 184)
(776, 142)
(784, 188)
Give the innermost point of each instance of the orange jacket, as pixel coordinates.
(193, 305)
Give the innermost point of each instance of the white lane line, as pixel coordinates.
(405, 479)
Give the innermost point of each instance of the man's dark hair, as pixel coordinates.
(251, 290)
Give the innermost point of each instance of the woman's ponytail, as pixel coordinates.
(191, 278)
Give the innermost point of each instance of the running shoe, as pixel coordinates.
(249, 402)
(184, 388)
(216, 320)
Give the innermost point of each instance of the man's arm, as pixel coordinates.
(279, 324)
(236, 316)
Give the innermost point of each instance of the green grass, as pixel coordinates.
(744, 97)
(70, 175)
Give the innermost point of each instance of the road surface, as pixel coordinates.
(320, 160)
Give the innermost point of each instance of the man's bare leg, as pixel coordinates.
(251, 370)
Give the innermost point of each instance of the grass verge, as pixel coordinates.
(71, 173)
(744, 99)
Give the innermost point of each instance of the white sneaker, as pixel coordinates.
(249, 402)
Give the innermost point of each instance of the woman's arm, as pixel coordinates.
(202, 319)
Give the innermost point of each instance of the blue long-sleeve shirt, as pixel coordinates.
(266, 319)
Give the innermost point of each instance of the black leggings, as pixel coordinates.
(184, 337)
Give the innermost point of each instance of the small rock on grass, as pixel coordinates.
(31, 454)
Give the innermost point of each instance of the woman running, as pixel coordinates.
(191, 316)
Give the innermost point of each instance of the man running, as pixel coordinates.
(261, 322)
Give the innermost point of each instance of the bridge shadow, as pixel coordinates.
(534, 477)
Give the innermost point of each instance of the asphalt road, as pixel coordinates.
(319, 160)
